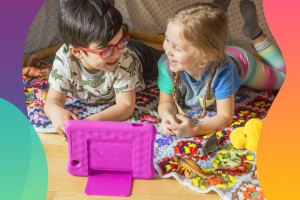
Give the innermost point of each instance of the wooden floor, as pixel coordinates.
(63, 186)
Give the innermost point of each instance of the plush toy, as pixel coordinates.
(247, 137)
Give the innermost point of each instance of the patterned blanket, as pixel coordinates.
(239, 180)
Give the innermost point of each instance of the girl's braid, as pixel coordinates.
(208, 88)
(176, 92)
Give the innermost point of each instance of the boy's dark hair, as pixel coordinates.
(82, 22)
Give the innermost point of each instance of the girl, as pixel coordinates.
(198, 69)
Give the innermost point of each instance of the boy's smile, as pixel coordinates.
(112, 63)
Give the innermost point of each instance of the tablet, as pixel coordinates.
(111, 154)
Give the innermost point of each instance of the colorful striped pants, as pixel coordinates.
(264, 71)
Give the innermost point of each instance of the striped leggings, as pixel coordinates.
(264, 71)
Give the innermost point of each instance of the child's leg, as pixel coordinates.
(251, 28)
(255, 73)
(268, 71)
(269, 52)
(222, 3)
(266, 48)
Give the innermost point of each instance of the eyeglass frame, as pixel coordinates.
(100, 52)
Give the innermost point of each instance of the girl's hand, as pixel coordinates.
(185, 128)
(168, 124)
(61, 119)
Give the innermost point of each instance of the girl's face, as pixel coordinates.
(94, 63)
(181, 55)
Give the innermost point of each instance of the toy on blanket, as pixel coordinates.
(189, 166)
(35, 72)
(232, 162)
(36, 68)
(25, 81)
(247, 136)
(211, 144)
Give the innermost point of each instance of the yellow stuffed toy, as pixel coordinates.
(247, 136)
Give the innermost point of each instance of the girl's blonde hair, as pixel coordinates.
(204, 25)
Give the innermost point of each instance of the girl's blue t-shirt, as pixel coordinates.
(225, 83)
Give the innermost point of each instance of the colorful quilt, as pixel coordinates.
(239, 180)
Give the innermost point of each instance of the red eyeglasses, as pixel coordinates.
(109, 50)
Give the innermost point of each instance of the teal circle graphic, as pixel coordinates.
(23, 168)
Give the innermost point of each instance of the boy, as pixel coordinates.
(95, 64)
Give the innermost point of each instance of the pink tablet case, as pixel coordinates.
(110, 154)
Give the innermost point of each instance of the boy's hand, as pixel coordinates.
(61, 119)
(168, 124)
(185, 128)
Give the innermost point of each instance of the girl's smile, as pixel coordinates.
(181, 55)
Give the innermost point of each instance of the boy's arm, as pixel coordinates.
(122, 110)
(54, 109)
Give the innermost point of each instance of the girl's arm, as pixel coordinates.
(224, 116)
(122, 110)
(167, 111)
(166, 106)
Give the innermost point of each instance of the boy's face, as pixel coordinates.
(94, 63)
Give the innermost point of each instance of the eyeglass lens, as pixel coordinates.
(109, 51)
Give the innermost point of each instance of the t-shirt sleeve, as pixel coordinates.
(129, 75)
(227, 81)
(164, 81)
(58, 78)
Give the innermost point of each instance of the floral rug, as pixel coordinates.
(237, 180)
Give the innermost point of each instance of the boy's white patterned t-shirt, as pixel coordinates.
(69, 76)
